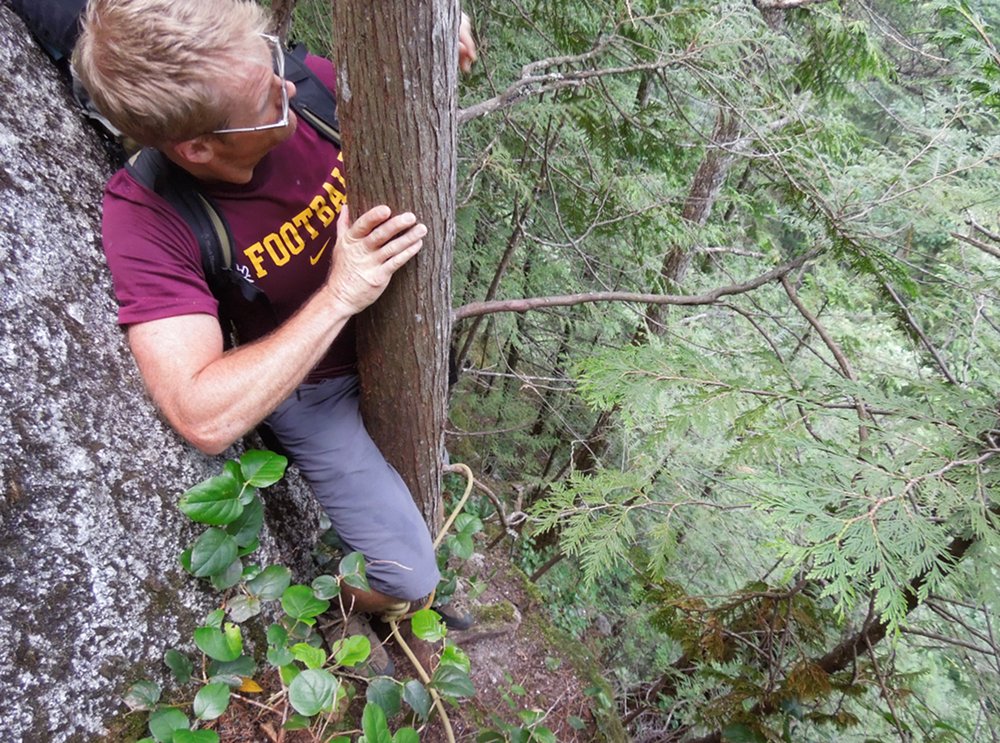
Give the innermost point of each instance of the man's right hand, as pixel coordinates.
(369, 251)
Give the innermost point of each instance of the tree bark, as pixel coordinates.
(397, 74)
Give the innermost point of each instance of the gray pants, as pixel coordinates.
(367, 501)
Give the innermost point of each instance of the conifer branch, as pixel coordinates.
(873, 630)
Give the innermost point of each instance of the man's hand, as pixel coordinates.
(466, 45)
(369, 251)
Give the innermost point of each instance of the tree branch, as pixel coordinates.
(474, 309)
(531, 83)
(784, 4)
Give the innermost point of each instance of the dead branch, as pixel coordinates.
(474, 309)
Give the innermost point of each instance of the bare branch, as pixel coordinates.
(985, 247)
(532, 83)
(474, 309)
(947, 640)
(912, 322)
(838, 354)
(784, 4)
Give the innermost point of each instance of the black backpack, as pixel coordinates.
(55, 23)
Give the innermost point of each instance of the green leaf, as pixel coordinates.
(326, 587)
(740, 733)
(577, 723)
(491, 736)
(299, 603)
(224, 646)
(184, 558)
(277, 635)
(453, 655)
(262, 469)
(374, 725)
(542, 735)
(211, 701)
(352, 570)
(307, 654)
(288, 673)
(242, 666)
(279, 656)
(427, 625)
(227, 679)
(212, 553)
(214, 501)
(196, 736)
(180, 664)
(406, 735)
(270, 583)
(228, 577)
(142, 695)
(386, 693)
(349, 651)
(242, 608)
(312, 691)
(249, 549)
(416, 695)
(214, 618)
(297, 722)
(466, 523)
(461, 545)
(453, 682)
(164, 722)
(246, 528)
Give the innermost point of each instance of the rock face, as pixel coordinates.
(91, 592)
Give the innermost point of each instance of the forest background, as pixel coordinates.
(727, 333)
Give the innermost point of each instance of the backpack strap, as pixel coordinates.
(313, 101)
(150, 168)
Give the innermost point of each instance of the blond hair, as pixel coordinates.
(161, 70)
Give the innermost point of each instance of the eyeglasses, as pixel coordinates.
(278, 65)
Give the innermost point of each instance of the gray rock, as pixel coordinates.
(91, 593)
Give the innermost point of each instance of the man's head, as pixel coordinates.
(168, 71)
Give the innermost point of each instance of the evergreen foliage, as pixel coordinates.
(782, 497)
(776, 474)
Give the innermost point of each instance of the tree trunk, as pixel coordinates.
(397, 74)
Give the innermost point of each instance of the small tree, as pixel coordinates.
(397, 73)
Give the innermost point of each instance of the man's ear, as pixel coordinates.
(196, 151)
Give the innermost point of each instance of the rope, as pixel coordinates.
(393, 614)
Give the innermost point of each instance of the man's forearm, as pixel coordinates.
(224, 395)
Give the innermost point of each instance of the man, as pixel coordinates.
(201, 81)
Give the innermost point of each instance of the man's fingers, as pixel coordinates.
(399, 260)
(368, 221)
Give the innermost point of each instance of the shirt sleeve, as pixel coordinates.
(324, 70)
(153, 255)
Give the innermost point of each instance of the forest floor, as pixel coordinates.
(520, 665)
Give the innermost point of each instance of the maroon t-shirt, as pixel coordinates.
(284, 230)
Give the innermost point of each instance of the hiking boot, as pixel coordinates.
(378, 663)
(454, 618)
(425, 652)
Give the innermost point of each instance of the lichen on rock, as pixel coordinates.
(91, 592)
